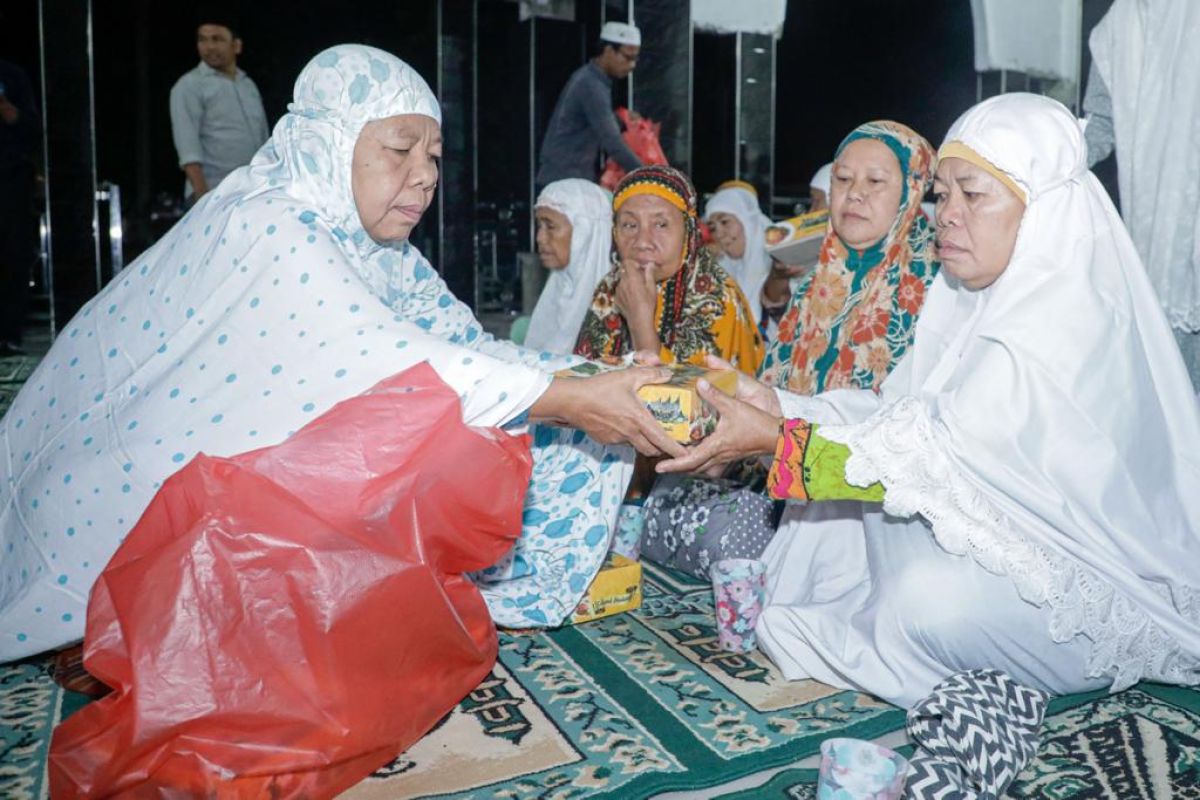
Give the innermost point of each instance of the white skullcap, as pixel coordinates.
(621, 33)
(821, 178)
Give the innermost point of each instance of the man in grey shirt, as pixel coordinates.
(583, 122)
(217, 116)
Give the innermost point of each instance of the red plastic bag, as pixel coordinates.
(284, 622)
(641, 135)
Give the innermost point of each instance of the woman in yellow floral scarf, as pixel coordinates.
(666, 293)
(852, 318)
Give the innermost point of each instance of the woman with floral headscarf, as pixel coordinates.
(846, 326)
(666, 294)
(287, 288)
(852, 317)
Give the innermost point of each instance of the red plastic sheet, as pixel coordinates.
(284, 622)
(641, 135)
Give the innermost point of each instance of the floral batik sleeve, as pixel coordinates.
(810, 467)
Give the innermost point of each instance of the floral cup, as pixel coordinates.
(739, 588)
(852, 769)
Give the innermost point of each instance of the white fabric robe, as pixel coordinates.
(1042, 432)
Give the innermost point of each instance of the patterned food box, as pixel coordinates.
(677, 404)
(616, 589)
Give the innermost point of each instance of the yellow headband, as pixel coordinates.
(739, 184)
(960, 150)
(634, 189)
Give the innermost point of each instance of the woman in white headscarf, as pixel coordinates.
(819, 187)
(287, 288)
(578, 214)
(739, 228)
(1021, 494)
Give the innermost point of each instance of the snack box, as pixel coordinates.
(677, 404)
(617, 588)
(797, 241)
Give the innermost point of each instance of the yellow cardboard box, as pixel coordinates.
(677, 404)
(616, 588)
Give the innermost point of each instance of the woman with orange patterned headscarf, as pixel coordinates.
(851, 319)
(666, 293)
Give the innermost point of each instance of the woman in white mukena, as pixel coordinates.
(574, 241)
(1022, 494)
(287, 288)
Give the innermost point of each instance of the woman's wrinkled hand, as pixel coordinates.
(607, 408)
(743, 431)
(637, 296)
(749, 390)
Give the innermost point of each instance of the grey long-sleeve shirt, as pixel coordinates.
(582, 123)
(217, 122)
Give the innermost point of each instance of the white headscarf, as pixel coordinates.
(1145, 50)
(822, 179)
(751, 270)
(568, 293)
(1045, 425)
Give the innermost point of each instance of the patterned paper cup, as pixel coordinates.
(852, 769)
(739, 587)
(627, 539)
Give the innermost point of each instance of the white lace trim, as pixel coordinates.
(899, 447)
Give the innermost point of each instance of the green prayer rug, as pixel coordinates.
(642, 703)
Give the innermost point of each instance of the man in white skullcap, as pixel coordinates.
(583, 122)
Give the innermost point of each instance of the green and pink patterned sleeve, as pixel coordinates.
(810, 467)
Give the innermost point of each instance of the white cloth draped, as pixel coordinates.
(752, 269)
(1040, 37)
(1044, 427)
(567, 295)
(1145, 51)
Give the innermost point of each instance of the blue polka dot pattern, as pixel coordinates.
(261, 313)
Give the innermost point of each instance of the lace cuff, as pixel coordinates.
(904, 449)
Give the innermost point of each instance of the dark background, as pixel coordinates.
(839, 63)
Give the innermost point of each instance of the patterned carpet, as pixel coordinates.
(638, 704)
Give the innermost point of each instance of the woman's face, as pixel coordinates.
(553, 238)
(649, 234)
(729, 234)
(393, 173)
(977, 222)
(865, 192)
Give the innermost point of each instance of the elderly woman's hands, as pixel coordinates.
(607, 408)
(637, 298)
(749, 426)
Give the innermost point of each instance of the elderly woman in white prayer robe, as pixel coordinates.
(289, 287)
(1021, 495)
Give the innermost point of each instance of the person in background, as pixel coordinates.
(19, 128)
(666, 294)
(1143, 98)
(217, 116)
(851, 318)
(583, 122)
(574, 241)
(739, 229)
(818, 188)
